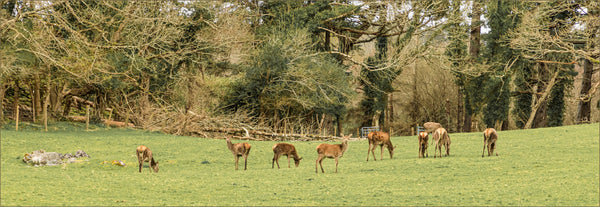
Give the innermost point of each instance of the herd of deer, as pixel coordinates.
(336, 151)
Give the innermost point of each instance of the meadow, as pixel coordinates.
(538, 167)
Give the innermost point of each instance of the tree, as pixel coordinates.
(544, 38)
(500, 58)
(290, 82)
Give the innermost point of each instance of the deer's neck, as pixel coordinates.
(229, 145)
(344, 147)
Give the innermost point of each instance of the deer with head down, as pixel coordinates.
(334, 151)
(382, 139)
(239, 150)
(285, 149)
(440, 137)
(144, 154)
(423, 139)
(489, 138)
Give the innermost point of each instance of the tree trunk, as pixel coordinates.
(475, 33)
(391, 108)
(46, 103)
(415, 98)
(327, 41)
(16, 105)
(542, 77)
(459, 115)
(339, 125)
(584, 106)
(474, 47)
(32, 93)
(538, 102)
(16, 99)
(467, 123)
(37, 96)
(2, 90)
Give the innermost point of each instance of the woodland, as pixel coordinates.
(304, 68)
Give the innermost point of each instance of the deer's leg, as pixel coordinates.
(276, 160)
(288, 157)
(483, 148)
(140, 161)
(320, 162)
(494, 148)
(336, 164)
(373, 152)
(273, 161)
(381, 157)
(317, 165)
(369, 152)
(245, 161)
(236, 162)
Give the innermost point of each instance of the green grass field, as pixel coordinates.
(539, 167)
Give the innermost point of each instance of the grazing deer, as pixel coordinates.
(287, 150)
(423, 139)
(489, 138)
(144, 154)
(239, 150)
(440, 137)
(431, 126)
(334, 151)
(381, 139)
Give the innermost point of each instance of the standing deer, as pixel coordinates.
(440, 137)
(423, 139)
(144, 154)
(334, 151)
(287, 150)
(489, 138)
(381, 139)
(239, 150)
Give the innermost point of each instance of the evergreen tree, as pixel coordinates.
(498, 55)
(377, 85)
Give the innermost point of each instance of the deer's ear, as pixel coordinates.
(300, 158)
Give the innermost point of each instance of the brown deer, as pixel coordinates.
(489, 138)
(423, 139)
(430, 127)
(440, 137)
(334, 151)
(381, 139)
(144, 154)
(239, 150)
(285, 149)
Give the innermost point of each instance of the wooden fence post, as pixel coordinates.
(87, 118)
(17, 119)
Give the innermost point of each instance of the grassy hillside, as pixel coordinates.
(548, 167)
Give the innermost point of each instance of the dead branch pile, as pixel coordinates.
(236, 126)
